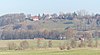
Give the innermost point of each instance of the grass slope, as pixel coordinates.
(52, 52)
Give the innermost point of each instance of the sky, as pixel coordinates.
(48, 6)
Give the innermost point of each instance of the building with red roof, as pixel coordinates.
(35, 18)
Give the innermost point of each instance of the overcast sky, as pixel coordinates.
(48, 6)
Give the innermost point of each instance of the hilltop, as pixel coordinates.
(49, 26)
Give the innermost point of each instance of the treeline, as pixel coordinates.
(53, 34)
(12, 19)
(28, 34)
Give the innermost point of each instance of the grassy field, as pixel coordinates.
(53, 52)
(32, 43)
(50, 25)
(46, 51)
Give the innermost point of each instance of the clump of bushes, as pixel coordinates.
(73, 43)
(90, 44)
(24, 45)
(62, 47)
(50, 43)
(12, 46)
(68, 47)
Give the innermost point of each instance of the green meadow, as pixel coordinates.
(34, 50)
(53, 52)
